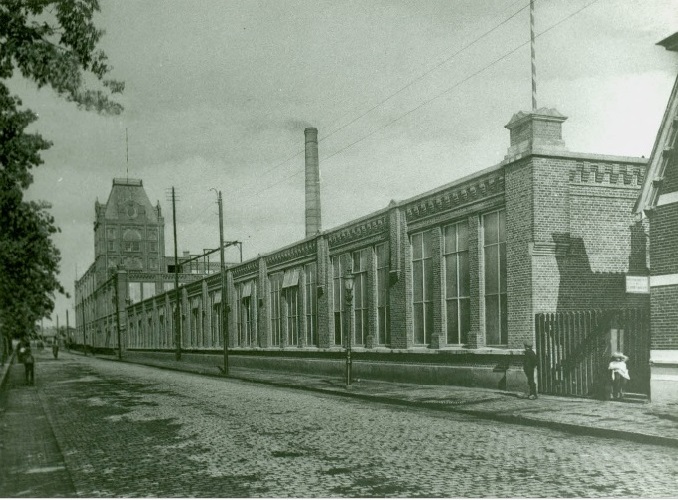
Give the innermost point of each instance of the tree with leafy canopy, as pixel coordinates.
(54, 44)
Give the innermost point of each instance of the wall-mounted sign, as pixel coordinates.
(637, 284)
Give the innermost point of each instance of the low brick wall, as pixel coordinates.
(495, 371)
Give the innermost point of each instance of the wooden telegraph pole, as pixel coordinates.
(224, 304)
(177, 316)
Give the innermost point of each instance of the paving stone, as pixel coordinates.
(121, 429)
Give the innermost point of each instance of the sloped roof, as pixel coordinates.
(129, 194)
(665, 143)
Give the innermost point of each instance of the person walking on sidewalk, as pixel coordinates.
(21, 348)
(55, 348)
(26, 357)
(529, 365)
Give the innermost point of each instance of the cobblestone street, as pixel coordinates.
(128, 430)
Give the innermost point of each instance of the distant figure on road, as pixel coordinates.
(26, 357)
(619, 373)
(55, 348)
(529, 364)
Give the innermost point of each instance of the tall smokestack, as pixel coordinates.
(312, 182)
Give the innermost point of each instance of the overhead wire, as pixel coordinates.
(405, 87)
(446, 91)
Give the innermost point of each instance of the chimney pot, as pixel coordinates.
(541, 128)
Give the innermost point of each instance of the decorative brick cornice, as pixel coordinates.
(163, 277)
(360, 231)
(305, 249)
(613, 174)
(443, 201)
(250, 267)
(214, 280)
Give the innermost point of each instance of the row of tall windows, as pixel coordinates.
(243, 312)
(338, 270)
(456, 282)
(215, 326)
(383, 309)
(422, 287)
(285, 290)
(311, 304)
(361, 261)
(158, 332)
(275, 281)
(286, 303)
(496, 312)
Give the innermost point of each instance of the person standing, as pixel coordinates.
(26, 357)
(529, 365)
(55, 348)
(619, 374)
(21, 348)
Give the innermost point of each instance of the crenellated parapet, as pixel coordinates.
(604, 173)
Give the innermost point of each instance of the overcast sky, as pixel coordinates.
(407, 95)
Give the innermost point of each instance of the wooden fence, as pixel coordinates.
(574, 350)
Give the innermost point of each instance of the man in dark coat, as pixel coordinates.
(529, 364)
(26, 357)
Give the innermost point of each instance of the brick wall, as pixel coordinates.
(476, 336)
(584, 231)
(325, 323)
(439, 314)
(670, 184)
(519, 230)
(664, 314)
(664, 240)
(400, 293)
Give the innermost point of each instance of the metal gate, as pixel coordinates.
(574, 350)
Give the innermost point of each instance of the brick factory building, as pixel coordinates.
(129, 255)
(447, 283)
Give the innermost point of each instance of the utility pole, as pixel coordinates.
(224, 305)
(68, 334)
(177, 319)
(117, 313)
(84, 329)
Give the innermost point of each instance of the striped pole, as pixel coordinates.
(534, 59)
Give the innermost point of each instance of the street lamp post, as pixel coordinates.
(348, 287)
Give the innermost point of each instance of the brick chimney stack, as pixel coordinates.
(312, 182)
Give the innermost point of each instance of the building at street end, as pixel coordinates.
(658, 204)
(129, 264)
(448, 285)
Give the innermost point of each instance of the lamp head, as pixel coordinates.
(348, 281)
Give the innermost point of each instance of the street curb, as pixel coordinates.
(578, 429)
(488, 415)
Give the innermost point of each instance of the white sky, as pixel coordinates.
(218, 94)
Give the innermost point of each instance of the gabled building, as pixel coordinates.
(658, 204)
